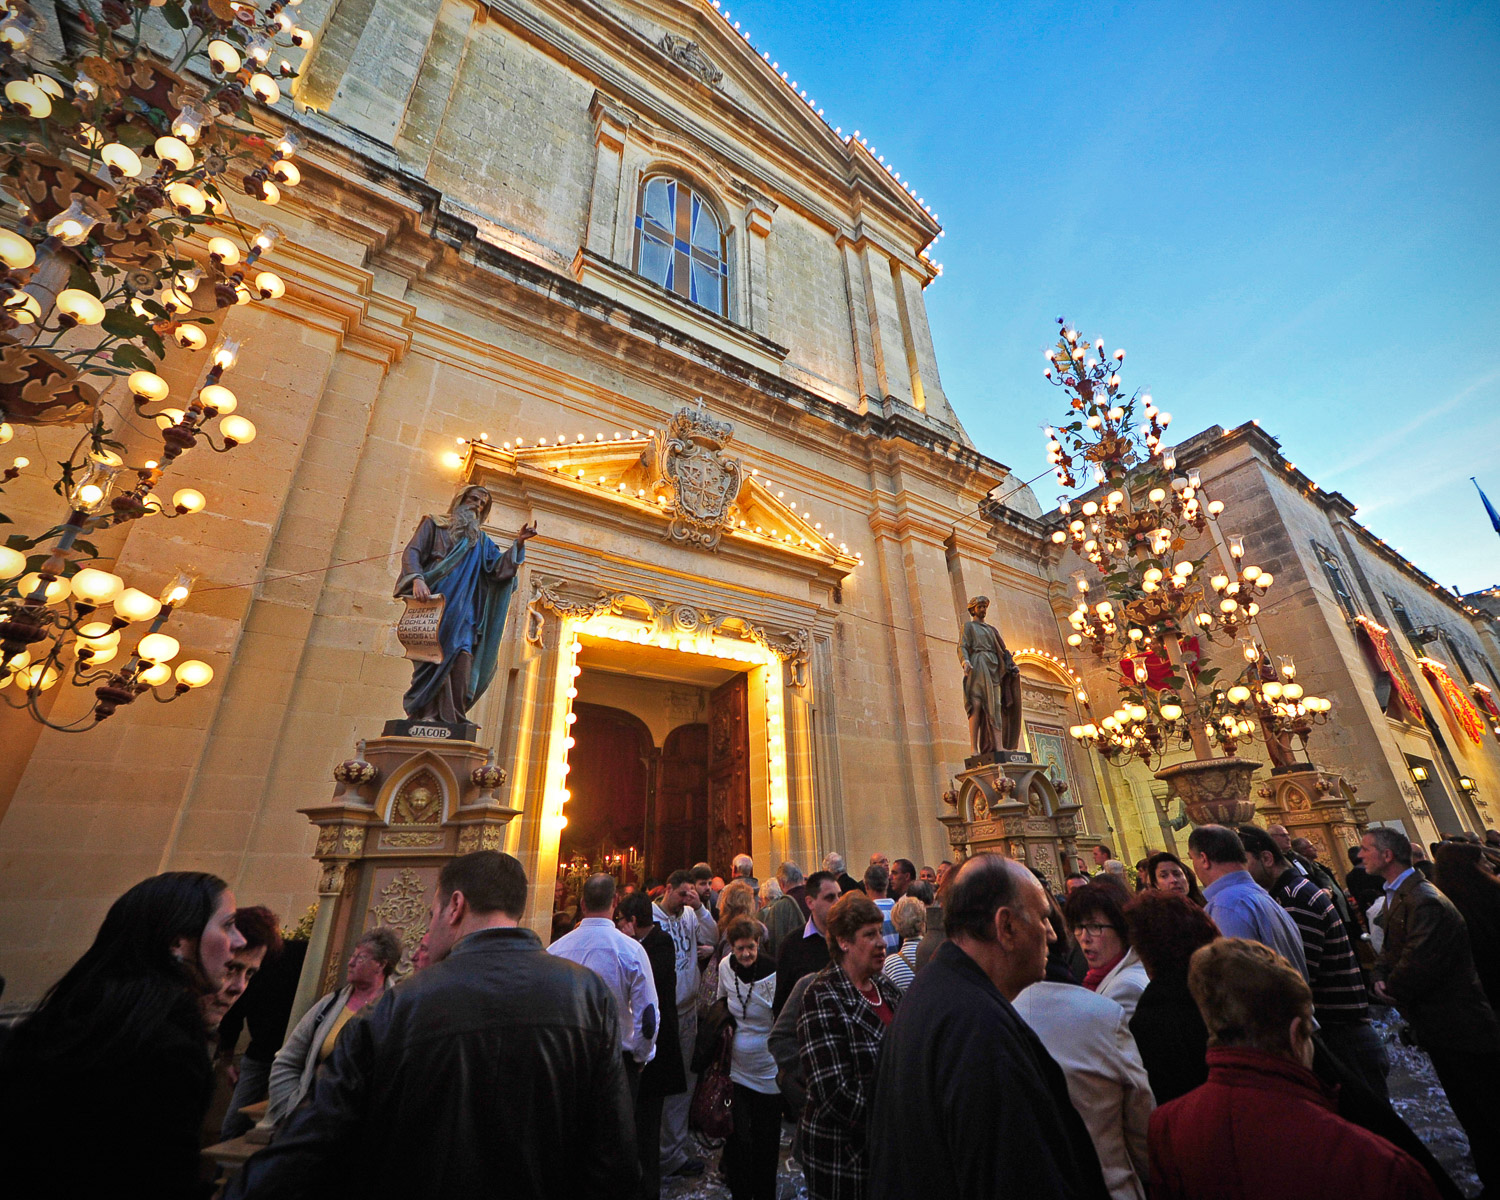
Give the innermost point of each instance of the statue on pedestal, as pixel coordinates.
(451, 556)
(992, 684)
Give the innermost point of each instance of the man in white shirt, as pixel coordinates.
(624, 967)
(681, 916)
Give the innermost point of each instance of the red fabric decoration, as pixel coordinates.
(1380, 642)
(1485, 699)
(1459, 705)
(1158, 668)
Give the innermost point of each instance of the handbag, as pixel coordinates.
(712, 1023)
(712, 1109)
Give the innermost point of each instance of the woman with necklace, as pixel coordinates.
(747, 980)
(845, 1013)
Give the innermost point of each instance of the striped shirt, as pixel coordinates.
(1338, 988)
(901, 968)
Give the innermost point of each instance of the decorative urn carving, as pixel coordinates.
(1214, 791)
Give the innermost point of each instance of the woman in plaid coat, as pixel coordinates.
(845, 1012)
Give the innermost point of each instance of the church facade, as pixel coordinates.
(606, 260)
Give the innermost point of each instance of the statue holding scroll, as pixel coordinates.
(451, 556)
(992, 684)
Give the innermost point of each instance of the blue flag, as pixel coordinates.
(1488, 507)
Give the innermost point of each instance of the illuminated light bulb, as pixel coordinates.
(1238, 694)
(1156, 495)
(1182, 570)
(1219, 582)
(12, 562)
(147, 386)
(1137, 712)
(158, 648)
(1115, 499)
(300, 37)
(134, 605)
(1075, 639)
(288, 143)
(258, 49)
(1059, 537)
(571, 718)
(189, 500)
(156, 674)
(286, 173)
(1228, 605)
(186, 198)
(79, 306)
(23, 308)
(15, 251)
(37, 677)
(270, 286)
(26, 96)
(1272, 690)
(57, 591)
(175, 151)
(264, 88)
(220, 398)
(224, 55)
(190, 337)
(72, 226)
(1090, 508)
(1116, 413)
(168, 417)
(194, 673)
(267, 236)
(1251, 573)
(222, 250)
(98, 634)
(96, 587)
(1264, 580)
(177, 302)
(121, 159)
(270, 193)
(98, 655)
(1171, 712)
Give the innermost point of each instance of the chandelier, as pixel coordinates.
(1143, 607)
(119, 160)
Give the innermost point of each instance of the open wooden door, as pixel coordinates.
(728, 773)
(678, 829)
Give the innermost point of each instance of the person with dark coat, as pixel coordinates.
(497, 1069)
(1166, 928)
(663, 1076)
(103, 1088)
(1262, 1110)
(1426, 969)
(807, 954)
(967, 1103)
(1364, 887)
(266, 1007)
(1464, 879)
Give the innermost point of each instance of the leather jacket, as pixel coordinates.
(496, 1071)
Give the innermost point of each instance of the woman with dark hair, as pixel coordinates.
(1096, 919)
(845, 1012)
(1165, 928)
(1167, 873)
(116, 1052)
(1464, 877)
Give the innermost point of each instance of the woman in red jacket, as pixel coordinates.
(1263, 1125)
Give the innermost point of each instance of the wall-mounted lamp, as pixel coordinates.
(1419, 774)
(1466, 783)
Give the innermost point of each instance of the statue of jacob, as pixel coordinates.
(450, 555)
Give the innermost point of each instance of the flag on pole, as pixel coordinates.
(1488, 507)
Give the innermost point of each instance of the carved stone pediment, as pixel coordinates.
(700, 485)
(689, 55)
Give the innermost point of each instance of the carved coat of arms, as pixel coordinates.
(700, 484)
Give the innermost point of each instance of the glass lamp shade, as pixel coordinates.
(237, 429)
(158, 648)
(225, 55)
(224, 250)
(57, 591)
(134, 605)
(148, 386)
(175, 151)
(270, 286)
(187, 198)
(98, 634)
(218, 397)
(15, 251)
(178, 590)
(29, 98)
(286, 173)
(188, 499)
(72, 226)
(122, 158)
(80, 306)
(194, 673)
(12, 562)
(156, 674)
(190, 337)
(37, 678)
(1171, 712)
(96, 587)
(264, 88)
(99, 655)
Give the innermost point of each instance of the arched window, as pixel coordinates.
(679, 244)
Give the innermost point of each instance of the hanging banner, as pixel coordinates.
(1380, 641)
(1158, 668)
(1458, 703)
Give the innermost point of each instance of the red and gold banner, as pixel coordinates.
(1380, 641)
(1459, 704)
(1486, 701)
(1158, 668)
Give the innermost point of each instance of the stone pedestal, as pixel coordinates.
(402, 807)
(1318, 805)
(1013, 808)
(1214, 791)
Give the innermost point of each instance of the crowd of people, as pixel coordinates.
(964, 1030)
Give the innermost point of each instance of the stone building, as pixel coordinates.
(606, 259)
(1408, 664)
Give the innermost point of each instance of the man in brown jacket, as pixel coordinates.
(1426, 969)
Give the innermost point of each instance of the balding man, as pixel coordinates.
(967, 1103)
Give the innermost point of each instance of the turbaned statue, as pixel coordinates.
(992, 684)
(450, 555)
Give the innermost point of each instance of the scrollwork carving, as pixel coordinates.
(689, 55)
(700, 486)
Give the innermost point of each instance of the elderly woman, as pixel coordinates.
(909, 919)
(770, 892)
(1165, 872)
(845, 1012)
(376, 955)
(1096, 918)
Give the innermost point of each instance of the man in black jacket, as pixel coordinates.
(496, 1070)
(808, 953)
(663, 1075)
(967, 1103)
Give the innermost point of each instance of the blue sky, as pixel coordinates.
(1285, 212)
